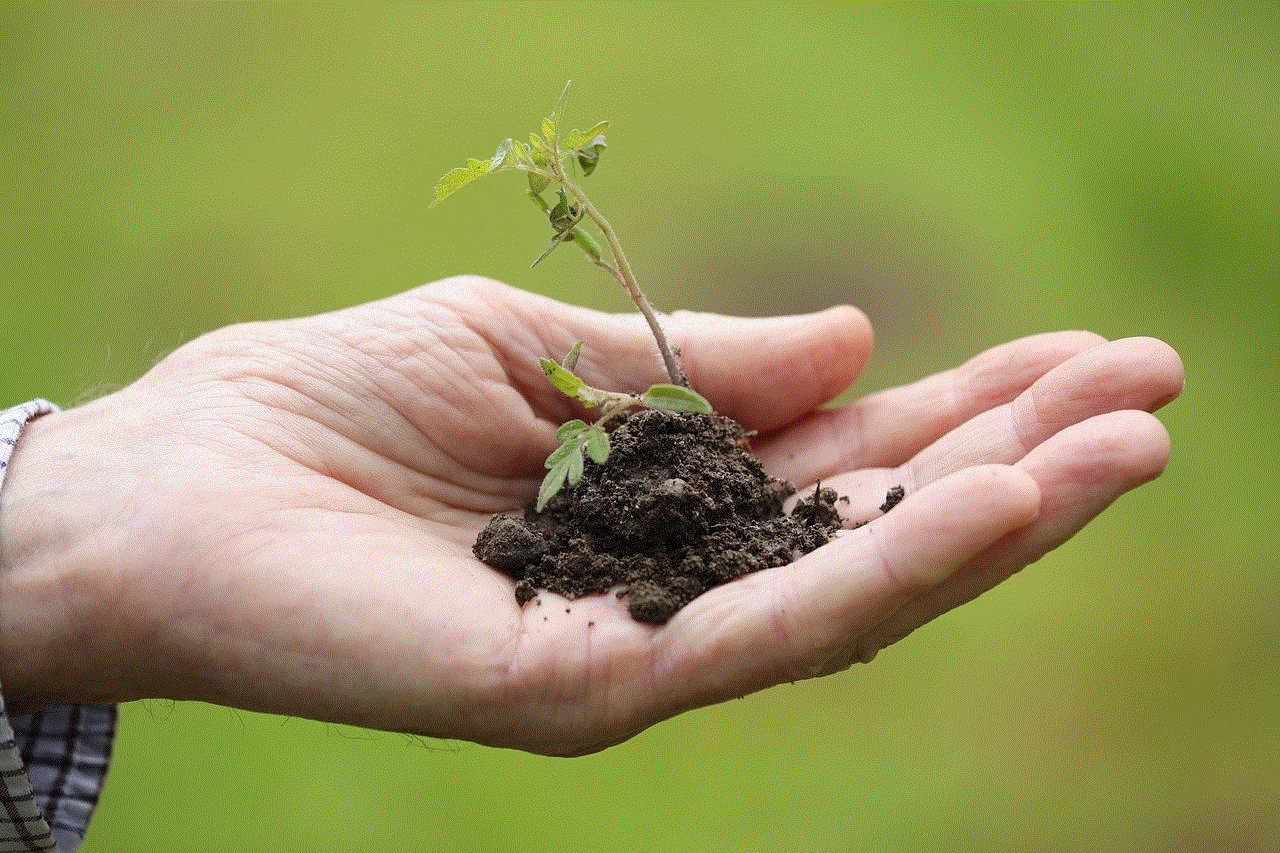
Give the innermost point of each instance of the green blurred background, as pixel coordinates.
(965, 174)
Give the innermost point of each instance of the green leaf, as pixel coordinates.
(555, 241)
(571, 429)
(537, 145)
(570, 361)
(521, 153)
(563, 218)
(563, 215)
(499, 158)
(460, 177)
(577, 138)
(538, 158)
(564, 379)
(552, 484)
(574, 473)
(549, 132)
(589, 154)
(598, 445)
(560, 453)
(587, 242)
(676, 398)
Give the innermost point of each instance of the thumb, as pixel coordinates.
(763, 372)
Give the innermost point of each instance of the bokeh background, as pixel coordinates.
(966, 174)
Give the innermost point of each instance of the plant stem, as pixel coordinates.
(628, 280)
(622, 272)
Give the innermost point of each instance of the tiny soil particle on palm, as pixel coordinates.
(679, 507)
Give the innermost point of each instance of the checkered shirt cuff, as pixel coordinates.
(52, 762)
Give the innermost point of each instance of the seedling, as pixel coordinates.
(565, 463)
(548, 160)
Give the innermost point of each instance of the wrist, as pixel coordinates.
(53, 590)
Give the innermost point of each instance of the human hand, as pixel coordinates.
(279, 515)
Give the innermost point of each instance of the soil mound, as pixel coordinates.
(679, 507)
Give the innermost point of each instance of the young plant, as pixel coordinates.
(566, 462)
(548, 160)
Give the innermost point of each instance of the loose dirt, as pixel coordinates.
(680, 506)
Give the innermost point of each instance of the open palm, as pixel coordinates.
(293, 505)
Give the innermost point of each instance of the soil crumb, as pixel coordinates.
(679, 507)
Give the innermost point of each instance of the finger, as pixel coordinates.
(803, 619)
(1134, 373)
(889, 427)
(762, 372)
(1080, 472)
(768, 372)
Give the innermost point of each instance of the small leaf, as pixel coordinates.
(538, 158)
(460, 177)
(551, 485)
(574, 473)
(570, 361)
(537, 145)
(521, 152)
(562, 452)
(676, 398)
(563, 379)
(597, 445)
(539, 201)
(549, 132)
(575, 139)
(499, 158)
(587, 242)
(569, 430)
(563, 215)
(555, 241)
(589, 154)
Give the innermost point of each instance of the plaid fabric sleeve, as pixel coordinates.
(52, 762)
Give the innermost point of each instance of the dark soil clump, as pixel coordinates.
(680, 506)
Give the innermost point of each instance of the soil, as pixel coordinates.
(680, 506)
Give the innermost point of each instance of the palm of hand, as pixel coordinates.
(346, 462)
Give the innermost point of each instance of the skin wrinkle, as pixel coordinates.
(954, 388)
(879, 555)
(673, 654)
(483, 391)
(304, 453)
(373, 437)
(1025, 419)
(349, 419)
(856, 447)
(782, 615)
(468, 485)
(506, 309)
(510, 352)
